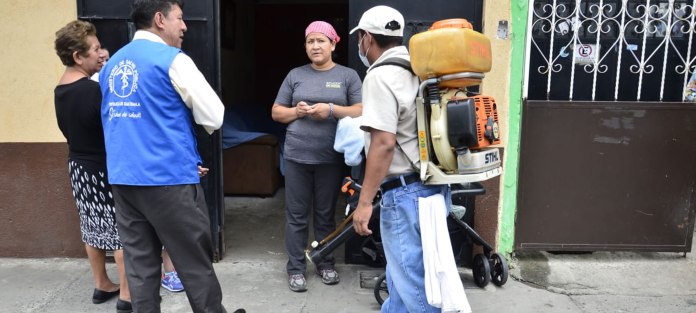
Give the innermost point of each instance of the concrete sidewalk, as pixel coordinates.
(624, 282)
(252, 275)
(614, 281)
(65, 285)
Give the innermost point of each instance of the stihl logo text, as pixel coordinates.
(491, 157)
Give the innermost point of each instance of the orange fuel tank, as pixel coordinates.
(448, 47)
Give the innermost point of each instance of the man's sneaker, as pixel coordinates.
(329, 276)
(297, 282)
(171, 282)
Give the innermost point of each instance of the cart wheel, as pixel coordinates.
(381, 292)
(481, 270)
(499, 269)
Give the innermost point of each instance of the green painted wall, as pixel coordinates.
(519, 10)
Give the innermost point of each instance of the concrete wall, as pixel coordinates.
(30, 68)
(497, 81)
(38, 216)
(496, 84)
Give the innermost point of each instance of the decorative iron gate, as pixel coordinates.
(615, 50)
(607, 143)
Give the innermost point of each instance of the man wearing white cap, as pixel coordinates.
(389, 120)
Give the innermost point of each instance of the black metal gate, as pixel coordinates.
(610, 172)
(201, 43)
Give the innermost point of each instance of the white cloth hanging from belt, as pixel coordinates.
(443, 287)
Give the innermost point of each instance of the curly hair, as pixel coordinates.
(71, 38)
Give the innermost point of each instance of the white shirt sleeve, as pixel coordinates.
(208, 111)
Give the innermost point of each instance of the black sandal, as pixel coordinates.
(101, 296)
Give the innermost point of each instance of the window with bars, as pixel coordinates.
(610, 50)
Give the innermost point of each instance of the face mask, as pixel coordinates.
(363, 57)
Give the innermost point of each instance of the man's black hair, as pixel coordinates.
(384, 41)
(143, 11)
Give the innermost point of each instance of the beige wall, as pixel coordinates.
(497, 82)
(30, 68)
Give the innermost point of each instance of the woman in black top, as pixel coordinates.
(78, 110)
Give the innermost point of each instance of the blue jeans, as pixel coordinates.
(401, 238)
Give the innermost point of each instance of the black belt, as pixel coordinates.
(396, 182)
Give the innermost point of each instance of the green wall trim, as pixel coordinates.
(518, 12)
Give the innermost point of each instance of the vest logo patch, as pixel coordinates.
(335, 85)
(123, 79)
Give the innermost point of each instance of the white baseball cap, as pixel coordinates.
(382, 20)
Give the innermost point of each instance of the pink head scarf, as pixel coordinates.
(324, 28)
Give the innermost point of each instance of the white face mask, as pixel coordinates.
(363, 57)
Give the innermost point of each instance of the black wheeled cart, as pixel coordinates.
(486, 267)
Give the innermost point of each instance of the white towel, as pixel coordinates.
(350, 140)
(443, 287)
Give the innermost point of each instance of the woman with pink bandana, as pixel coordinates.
(310, 101)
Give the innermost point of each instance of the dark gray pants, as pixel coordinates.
(309, 188)
(177, 217)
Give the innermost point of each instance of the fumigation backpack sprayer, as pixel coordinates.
(456, 129)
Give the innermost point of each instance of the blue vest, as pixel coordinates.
(148, 130)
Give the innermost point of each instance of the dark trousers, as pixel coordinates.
(177, 217)
(309, 188)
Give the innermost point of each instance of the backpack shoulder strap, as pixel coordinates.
(403, 63)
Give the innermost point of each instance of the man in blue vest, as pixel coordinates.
(152, 94)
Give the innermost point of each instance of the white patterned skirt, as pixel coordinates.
(95, 205)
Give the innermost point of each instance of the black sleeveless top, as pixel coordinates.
(78, 110)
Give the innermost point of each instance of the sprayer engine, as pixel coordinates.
(461, 128)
